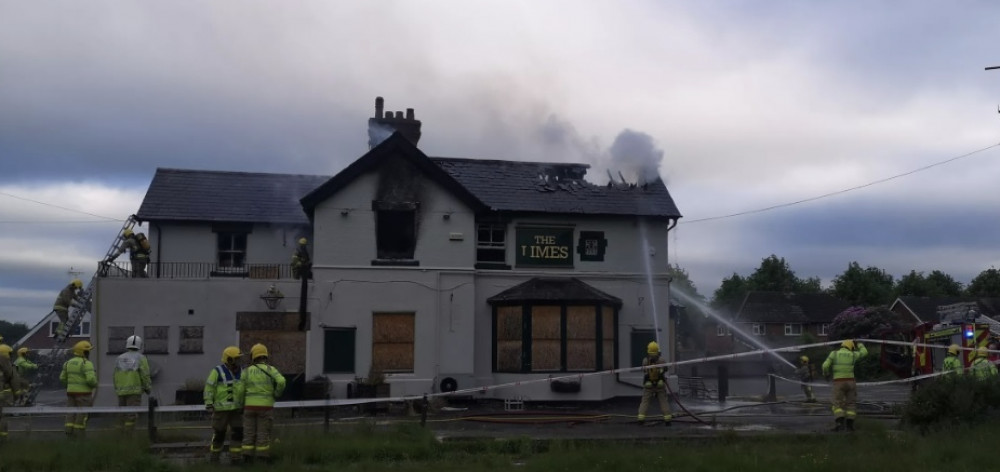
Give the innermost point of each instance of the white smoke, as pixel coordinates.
(378, 132)
(636, 156)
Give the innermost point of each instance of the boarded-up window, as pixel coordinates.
(510, 331)
(608, 338)
(581, 338)
(117, 336)
(392, 342)
(155, 339)
(191, 339)
(338, 350)
(546, 338)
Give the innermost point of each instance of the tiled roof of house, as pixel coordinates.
(200, 195)
(925, 308)
(537, 187)
(555, 289)
(777, 307)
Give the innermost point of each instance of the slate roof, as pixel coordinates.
(218, 196)
(538, 187)
(554, 289)
(925, 308)
(777, 307)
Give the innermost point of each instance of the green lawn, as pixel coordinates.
(413, 449)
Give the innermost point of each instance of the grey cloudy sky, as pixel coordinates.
(752, 104)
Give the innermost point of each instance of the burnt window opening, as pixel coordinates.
(396, 236)
(491, 242)
(232, 249)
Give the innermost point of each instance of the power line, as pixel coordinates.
(838, 192)
(60, 207)
(66, 222)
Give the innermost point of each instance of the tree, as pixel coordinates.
(773, 275)
(937, 284)
(866, 287)
(11, 332)
(730, 294)
(691, 320)
(860, 322)
(986, 284)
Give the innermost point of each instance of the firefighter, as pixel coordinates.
(301, 262)
(952, 362)
(654, 384)
(138, 251)
(222, 398)
(131, 379)
(65, 300)
(25, 368)
(982, 367)
(262, 384)
(845, 391)
(805, 374)
(80, 380)
(11, 386)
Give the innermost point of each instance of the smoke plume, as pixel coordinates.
(636, 156)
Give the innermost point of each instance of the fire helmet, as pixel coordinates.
(303, 241)
(81, 348)
(953, 349)
(848, 344)
(230, 354)
(804, 359)
(982, 352)
(258, 350)
(133, 343)
(653, 348)
(5, 350)
(77, 283)
(22, 352)
(127, 232)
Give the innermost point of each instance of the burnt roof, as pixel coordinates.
(545, 187)
(219, 196)
(554, 289)
(778, 307)
(925, 308)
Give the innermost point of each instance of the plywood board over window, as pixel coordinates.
(191, 339)
(546, 338)
(286, 349)
(117, 336)
(155, 339)
(392, 342)
(608, 337)
(510, 331)
(581, 338)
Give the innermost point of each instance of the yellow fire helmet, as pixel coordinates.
(82, 348)
(77, 283)
(848, 344)
(5, 350)
(653, 348)
(258, 350)
(953, 349)
(303, 241)
(982, 352)
(804, 359)
(231, 353)
(22, 352)
(127, 232)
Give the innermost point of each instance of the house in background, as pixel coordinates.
(41, 337)
(439, 273)
(775, 319)
(916, 310)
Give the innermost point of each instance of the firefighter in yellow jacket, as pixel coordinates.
(262, 385)
(223, 397)
(654, 384)
(131, 379)
(11, 386)
(845, 391)
(80, 380)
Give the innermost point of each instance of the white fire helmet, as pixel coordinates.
(133, 342)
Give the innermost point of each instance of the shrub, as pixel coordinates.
(951, 401)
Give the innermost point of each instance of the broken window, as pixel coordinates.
(232, 249)
(396, 230)
(491, 242)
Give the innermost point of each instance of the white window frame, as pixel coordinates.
(82, 329)
(491, 244)
(722, 330)
(790, 329)
(824, 329)
(226, 258)
(759, 329)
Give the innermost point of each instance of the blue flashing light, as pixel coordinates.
(969, 333)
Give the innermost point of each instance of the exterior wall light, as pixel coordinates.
(272, 297)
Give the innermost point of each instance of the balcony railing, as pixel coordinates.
(195, 270)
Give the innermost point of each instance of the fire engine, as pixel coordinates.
(960, 324)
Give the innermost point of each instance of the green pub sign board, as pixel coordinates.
(548, 247)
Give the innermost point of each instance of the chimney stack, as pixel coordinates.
(384, 123)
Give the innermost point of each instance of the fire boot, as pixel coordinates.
(850, 424)
(840, 425)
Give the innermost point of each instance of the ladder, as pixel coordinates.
(50, 365)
